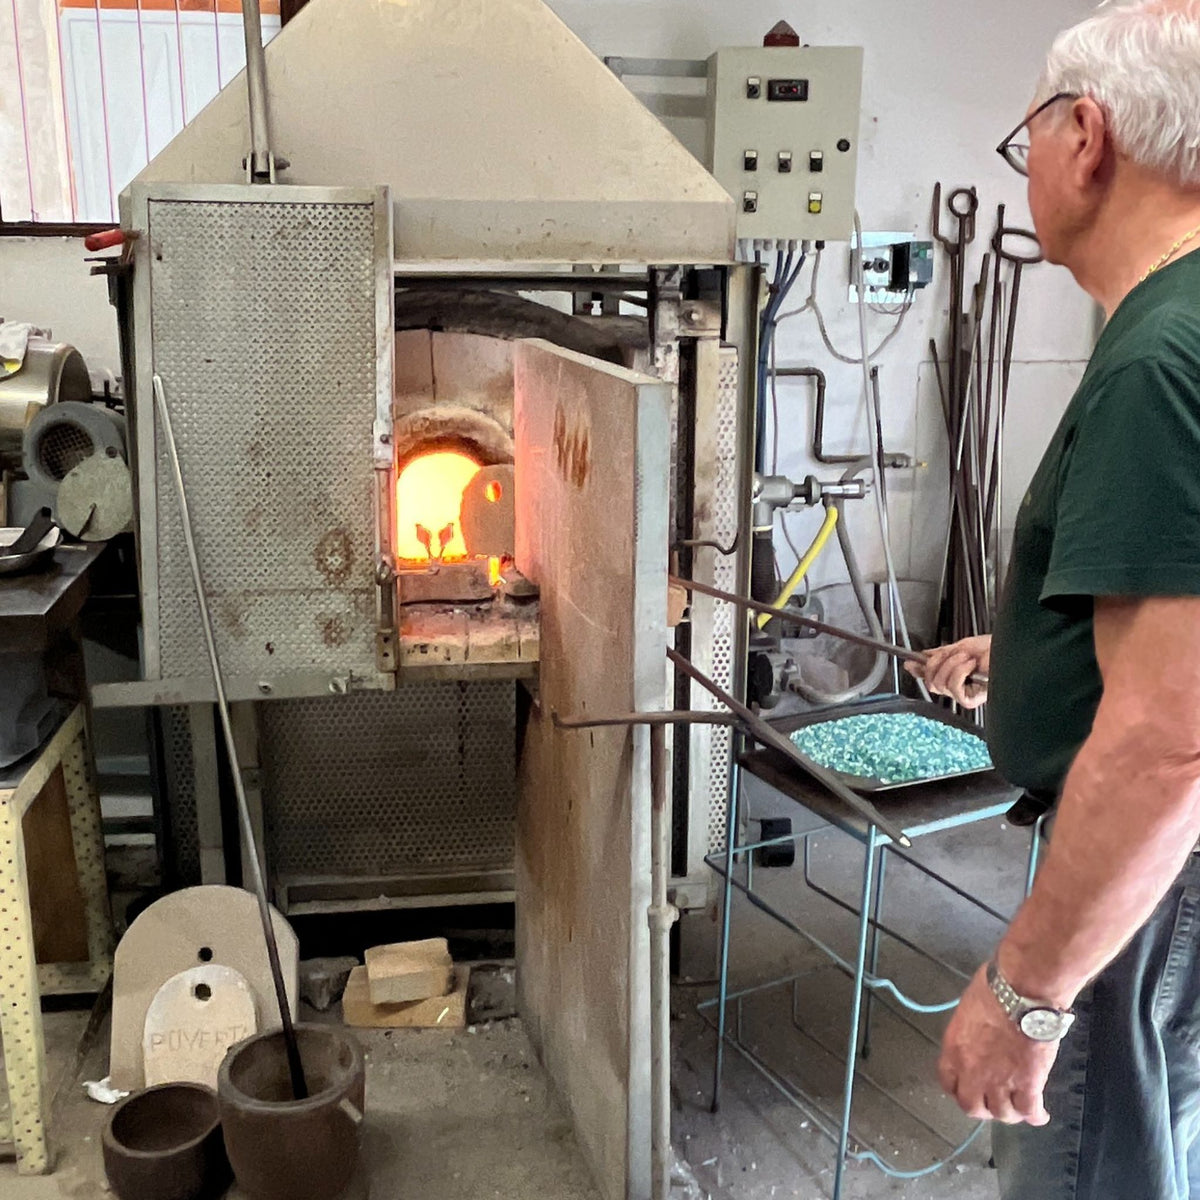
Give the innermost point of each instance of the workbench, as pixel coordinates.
(38, 605)
(54, 910)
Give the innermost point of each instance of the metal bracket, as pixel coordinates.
(666, 322)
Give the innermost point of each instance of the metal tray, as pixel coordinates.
(13, 564)
(883, 704)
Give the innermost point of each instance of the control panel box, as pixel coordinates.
(783, 138)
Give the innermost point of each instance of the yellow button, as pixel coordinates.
(815, 201)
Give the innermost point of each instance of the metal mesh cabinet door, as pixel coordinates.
(266, 312)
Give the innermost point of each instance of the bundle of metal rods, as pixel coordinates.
(974, 374)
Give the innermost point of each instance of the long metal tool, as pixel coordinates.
(858, 639)
(260, 163)
(295, 1067)
(761, 732)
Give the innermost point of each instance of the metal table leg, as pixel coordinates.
(1035, 849)
(731, 826)
(874, 951)
(860, 965)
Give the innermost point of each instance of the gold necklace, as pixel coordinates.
(1170, 254)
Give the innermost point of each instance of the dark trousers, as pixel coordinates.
(1124, 1095)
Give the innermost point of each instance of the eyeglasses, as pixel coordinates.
(1016, 154)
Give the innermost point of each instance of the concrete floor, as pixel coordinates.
(458, 1115)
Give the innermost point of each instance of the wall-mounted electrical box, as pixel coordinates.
(895, 265)
(783, 138)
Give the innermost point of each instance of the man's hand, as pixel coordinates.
(989, 1066)
(947, 669)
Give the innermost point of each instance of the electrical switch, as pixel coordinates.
(750, 202)
(816, 161)
(749, 160)
(787, 89)
(816, 201)
(753, 87)
(911, 266)
(785, 161)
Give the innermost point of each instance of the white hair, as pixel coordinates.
(1141, 63)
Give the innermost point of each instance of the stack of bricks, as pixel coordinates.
(407, 985)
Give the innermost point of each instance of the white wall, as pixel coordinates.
(944, 82)
(46, 281)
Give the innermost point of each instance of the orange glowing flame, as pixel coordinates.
(429, 495)
(495, 574)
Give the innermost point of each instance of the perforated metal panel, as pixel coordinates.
(265, 328)
(389, 783)
(180, 774)
(725, 502)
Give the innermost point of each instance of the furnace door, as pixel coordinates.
(593, 465)
(266, 312)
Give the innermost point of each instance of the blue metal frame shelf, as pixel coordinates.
(921, 811)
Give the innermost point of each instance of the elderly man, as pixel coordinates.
(1082, 1035)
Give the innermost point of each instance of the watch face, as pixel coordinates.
(1045, 1024)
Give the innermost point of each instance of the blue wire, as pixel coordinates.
(784, 280)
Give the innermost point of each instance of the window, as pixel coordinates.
(91, 90)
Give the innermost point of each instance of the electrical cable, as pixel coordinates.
(874, 432)
(787, 271)
(812, 304)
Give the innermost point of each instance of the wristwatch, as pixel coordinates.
(1036, 1019)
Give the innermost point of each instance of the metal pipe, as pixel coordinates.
(260, 165)
(295, 1067)
(662, 915)
(761, 732)
(647, 718)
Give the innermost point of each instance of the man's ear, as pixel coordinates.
(1090, 143)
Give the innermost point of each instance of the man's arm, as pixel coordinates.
(1128, 819)
(1130, 814)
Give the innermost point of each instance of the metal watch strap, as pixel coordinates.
(1017, 1007)
(1009, 999)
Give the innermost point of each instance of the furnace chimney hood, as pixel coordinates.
(500, 134)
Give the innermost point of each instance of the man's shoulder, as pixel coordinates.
(1163, 342)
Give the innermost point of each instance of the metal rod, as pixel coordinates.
(845, 635)
(647, 718)
(860, 963)
(295, 1067)
(260, 165)
(731, 827)
(760, 731)
(662, 915)
(542, 281)
(876, 933)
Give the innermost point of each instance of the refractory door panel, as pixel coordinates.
(593, 455)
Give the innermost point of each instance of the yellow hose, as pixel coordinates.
(802, 567)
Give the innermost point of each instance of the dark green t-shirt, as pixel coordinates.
(1114, 510)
